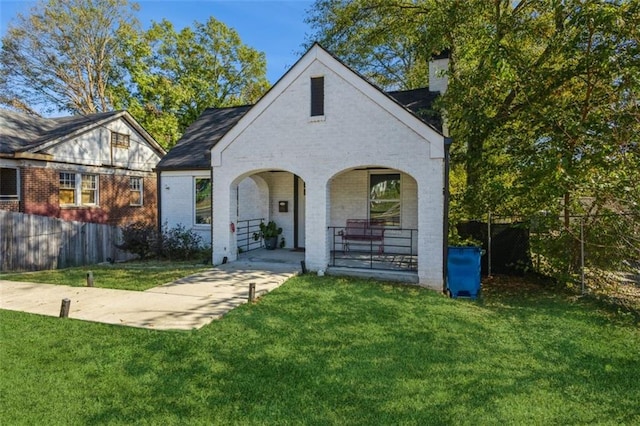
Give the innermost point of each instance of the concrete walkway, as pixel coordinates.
(188, 303)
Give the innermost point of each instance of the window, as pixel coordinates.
(317, 96)
(384, 198)
(67, 188)
(8, 183)
(135, 187)
(78, 190)
(89, 189)
(119, 140)
(203, 201)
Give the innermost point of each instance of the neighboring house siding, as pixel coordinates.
(10, 205)
(97, 172)
(85, 150)
(40, 195)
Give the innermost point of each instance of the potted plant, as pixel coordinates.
(269, 233)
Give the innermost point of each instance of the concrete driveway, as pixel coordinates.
(186, 304)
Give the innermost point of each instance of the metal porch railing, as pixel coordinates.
(244, 235)
(398, 251)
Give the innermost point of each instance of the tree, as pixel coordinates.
(384, 40)
(176, 75)
(64, 56)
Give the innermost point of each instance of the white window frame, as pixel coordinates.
(398, 200)
(16, 196)
(195, 195)
(79, 188)
(136, 188)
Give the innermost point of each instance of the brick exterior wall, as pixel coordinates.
(361, 130)
(10, 205)
(40, 195)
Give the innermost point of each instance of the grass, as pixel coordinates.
(326, 350)
(137, 276)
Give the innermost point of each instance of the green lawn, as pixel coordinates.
(137, 276)
(324, 350)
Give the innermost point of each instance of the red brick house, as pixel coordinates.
(94, 168)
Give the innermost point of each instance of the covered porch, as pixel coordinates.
(386, 197)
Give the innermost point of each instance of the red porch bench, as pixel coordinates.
(364, 230)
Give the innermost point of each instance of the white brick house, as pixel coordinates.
(331, 138)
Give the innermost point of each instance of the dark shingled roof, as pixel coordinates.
(22, 132)
(192, 152)
(194, 147)
(420, 102)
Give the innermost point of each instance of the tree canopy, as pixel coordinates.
(86, 56)
(64, 56)
(176, 75)
(543, 96)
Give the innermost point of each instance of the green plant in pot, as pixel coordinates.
(269, 233)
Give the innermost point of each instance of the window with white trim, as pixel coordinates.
(9, 183)
(135, 188)
(384, 198)
(77, 189)
(202, 202)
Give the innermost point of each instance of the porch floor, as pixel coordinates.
(262, 255)
(387, 266)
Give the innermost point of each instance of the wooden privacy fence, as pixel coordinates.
(32, 243)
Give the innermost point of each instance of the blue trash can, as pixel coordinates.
(463, 271)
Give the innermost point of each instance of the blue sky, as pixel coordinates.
(275, 27)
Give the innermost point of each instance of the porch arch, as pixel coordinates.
(258, 194)
(418, 238)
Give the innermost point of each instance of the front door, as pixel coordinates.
(299, 212)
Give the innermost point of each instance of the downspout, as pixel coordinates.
(159, 203)
(159, 198)
(445, 221)
(212, 219)
(296, 189)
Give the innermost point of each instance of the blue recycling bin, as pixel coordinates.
(463, 271)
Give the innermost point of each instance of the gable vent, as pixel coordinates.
(317, 96)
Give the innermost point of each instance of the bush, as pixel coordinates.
(139, 238)
(180, 243)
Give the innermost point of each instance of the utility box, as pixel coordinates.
(463, 271)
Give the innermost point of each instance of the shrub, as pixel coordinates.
(139, 238)
(180, 243)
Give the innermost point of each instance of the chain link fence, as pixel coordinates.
(594, 254)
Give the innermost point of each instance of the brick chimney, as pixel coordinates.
(438, 66)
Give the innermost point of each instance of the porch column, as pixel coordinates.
(430, 231)
(224, 243)
(317, 220)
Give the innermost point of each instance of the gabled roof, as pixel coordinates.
(25, 133)
(193, 150)
(317, 53)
